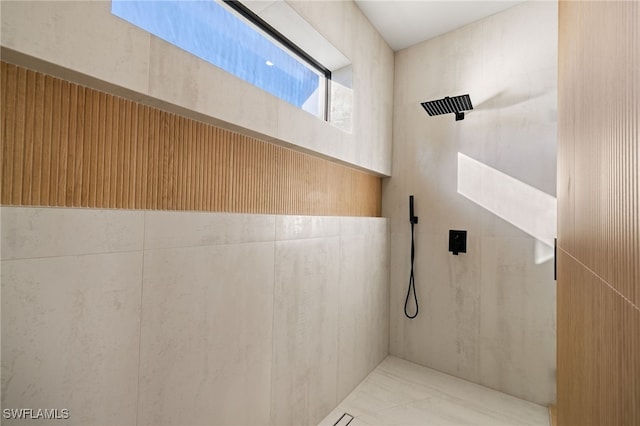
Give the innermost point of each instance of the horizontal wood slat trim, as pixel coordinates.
(68, 145)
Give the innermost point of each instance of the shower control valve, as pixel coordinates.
(457, 241)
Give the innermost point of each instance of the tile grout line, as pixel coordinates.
(144, 231)
(100, 253)
(478, 323)
(338, 357)
(273, 322)
(375, 413)
(633, 305)
(444, 396)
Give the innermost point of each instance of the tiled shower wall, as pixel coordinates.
(152, 317)
(487, 315)
(149, 317)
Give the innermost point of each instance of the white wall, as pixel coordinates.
(132, 317)
(487, 315)
(82, 41)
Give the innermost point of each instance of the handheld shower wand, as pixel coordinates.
(413, 219)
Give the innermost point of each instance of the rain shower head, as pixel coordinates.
(447, 105)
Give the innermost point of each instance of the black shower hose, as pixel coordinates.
(412, 281)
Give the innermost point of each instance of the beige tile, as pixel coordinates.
(30, 232)
(301, 128)
(398, 392)
(442, 411)
(518, 321)
(400, 267)
(190, 229)
(358, 422)
(463, 392)
(381, 390)
(183, 79)
(395, 202)
(70, 336)
(299, 227)
(363, 337)
(357, 226)
(207, 335)
(512, 129)
(373, 94)
(82, 36)
(336, 414)
(333, 416)
(331, 20)
(305, 330)
(346, 27)
(444, 335)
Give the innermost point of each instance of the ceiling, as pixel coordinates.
(404, 23)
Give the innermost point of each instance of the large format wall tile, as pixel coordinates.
(363, 330)
(354, 226)
(190, 229)
(79, 36)
(444, 335)
(39, 232)
(516, 337)
(70, 336)
(398, 293)
(222, 318)
(324, 140)
(305, 331)
(347, 28)
(206, 335)
(300, 227)
(507, 63)
(180, 78)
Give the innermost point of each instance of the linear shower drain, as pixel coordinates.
(344, 420)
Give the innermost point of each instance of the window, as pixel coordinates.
(255, 53)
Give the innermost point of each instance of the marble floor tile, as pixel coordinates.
(399, 392)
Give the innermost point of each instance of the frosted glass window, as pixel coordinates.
(208, 30)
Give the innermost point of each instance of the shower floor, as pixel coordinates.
(399, 392)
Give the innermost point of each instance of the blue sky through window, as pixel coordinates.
(208, 30)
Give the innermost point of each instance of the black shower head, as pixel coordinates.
(447, 105)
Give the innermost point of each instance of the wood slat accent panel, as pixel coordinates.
(599, 213)
(598, 350)
(599, 121)
(68, 145)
